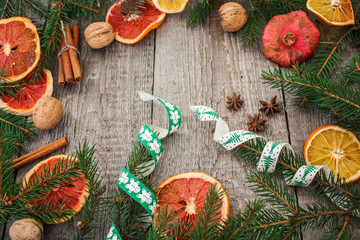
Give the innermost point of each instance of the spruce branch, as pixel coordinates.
(20, 128)
(38, 8)
(132, 8)
(345, 195)
(340, 232)
(84, 6)
(202, 9)
(165, 224)
(256, 19)
(7, 151)
(327, 96)
(4, 8)
(42, 183)
(8, 88)
(327, 59)
(208, 218)
(234, 227)
(126, 213)
(95, 203)
(275, 193)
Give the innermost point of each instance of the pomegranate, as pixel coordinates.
(290, 38)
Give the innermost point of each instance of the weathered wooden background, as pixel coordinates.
(199, 66)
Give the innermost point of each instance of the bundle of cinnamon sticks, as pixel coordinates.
(69, 65)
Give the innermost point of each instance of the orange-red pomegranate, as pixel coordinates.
(290, 38)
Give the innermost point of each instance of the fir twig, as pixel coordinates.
(331, 97)
(38, 7)
(208, 218)
(275, 193)
(132, 8)
(8, 88)
(343, 195)
(62, 173)
(202, 9)
(126, 213)
(84, 6)
(95, 203)
(329, 63)
(20, 128)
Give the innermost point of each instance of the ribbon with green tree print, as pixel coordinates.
(270, 154)
(150, 137)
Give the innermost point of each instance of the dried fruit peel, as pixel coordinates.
(170, 6)
(337, 148)
(19, 47)
(131, 29)
(24, 102)
(185, 193)
(73, 195)
(333, 12)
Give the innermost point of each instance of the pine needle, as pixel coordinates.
(202, 9)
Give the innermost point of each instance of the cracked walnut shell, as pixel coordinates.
(233, 16)
(99, 34)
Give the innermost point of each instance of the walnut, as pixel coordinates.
(99, 34)
(26, 229)
(233, 16)
(47, 113)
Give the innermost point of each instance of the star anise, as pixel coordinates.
(271, 107)
(255, 123)
(234, 102)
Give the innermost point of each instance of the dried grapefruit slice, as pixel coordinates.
(337, 148)
(131, 29)
(19, 47)
(185, 194)
(24, 102)
(334, 12)
(171, 6)
(73, 195)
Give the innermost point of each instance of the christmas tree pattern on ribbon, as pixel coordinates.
(270, 154)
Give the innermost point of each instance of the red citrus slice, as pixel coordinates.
(131, 29)
(19, 47)
(73, 195)
(185, 194)
(24, 102)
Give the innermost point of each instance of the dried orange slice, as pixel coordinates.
(73, 195)
(24, 102)
(185, 194)
(337, 148)
(19, 47)
(131, 29)
(170, 6)
(334, 12)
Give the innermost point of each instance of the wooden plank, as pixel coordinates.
(103, 108)
(202, 66)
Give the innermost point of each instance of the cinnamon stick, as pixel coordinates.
(61, 78)
(65, 57)
(75, 64)
(38, 153)
(76, 36)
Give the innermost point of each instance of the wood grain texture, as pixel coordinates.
(202, 66)
(105, 109)
(199, 66)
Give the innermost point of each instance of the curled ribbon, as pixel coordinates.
(270, 154)
(150, 137)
